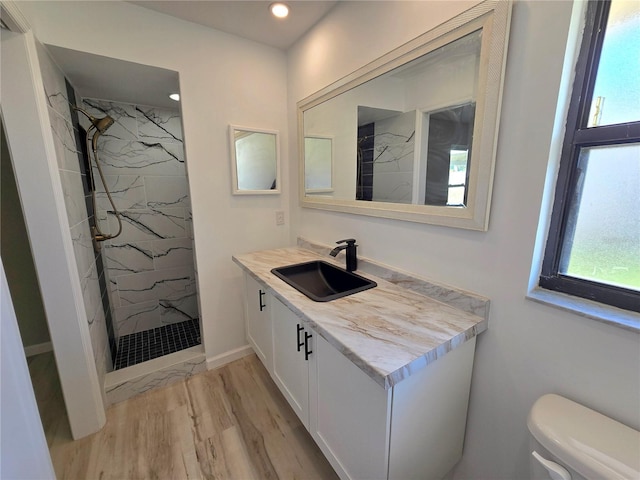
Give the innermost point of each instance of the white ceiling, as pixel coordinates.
(95, 76)
(248, 19)
(107, 78)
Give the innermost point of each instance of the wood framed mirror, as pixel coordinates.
(414, 133)
(255, 161)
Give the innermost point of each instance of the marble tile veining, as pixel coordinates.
(121, 157)
(393, 152)
(54, 85)
(178, 308)
(82, 247)
(100, 343)
(155, 285)
(389, 332)
(393, 147)
(91, 294)
(188, 219)
(73, 196)
(138, 317)
(128, 258)
(64, 142)
(156, 224)
(125, 126)
(119, 392)
(172, 252)
(163, 192)
(394, 187)
(160, 125)
(127, 191)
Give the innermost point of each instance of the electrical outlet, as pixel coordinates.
(279, 217)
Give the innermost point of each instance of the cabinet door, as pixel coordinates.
(290, 368)
(258, 320)
(350, 415)
(429, 416)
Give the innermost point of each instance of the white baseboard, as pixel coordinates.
(32, 350)
(228, 357)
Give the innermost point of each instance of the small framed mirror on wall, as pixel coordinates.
(255, 161)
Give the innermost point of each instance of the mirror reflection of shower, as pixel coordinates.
(98, 127)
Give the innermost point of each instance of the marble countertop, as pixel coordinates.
(389, 332)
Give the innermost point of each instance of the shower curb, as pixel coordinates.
(128, 382)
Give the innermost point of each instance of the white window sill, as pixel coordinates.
(586, 308)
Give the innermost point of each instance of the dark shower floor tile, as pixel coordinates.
(142, 346)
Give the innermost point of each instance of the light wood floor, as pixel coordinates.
(230, 423)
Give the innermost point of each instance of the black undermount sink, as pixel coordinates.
(321, 281)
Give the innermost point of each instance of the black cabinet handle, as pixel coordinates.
(300, 344)
(307, 352)
(262, 305)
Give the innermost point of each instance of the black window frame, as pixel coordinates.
(578, 136)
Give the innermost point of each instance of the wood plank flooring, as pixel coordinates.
(230, 423)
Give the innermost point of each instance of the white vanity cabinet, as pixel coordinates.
(343, 408)
(349, 415)
(258, 320)
(412, 430)
(292, 349)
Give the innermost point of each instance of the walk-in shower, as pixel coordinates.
(148, 262)
(98, 127)
(142, 281)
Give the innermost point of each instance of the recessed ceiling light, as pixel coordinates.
(279, 10)
(175, 96)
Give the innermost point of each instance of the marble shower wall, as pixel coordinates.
(73, 178)
(151, 264)
(393, 158)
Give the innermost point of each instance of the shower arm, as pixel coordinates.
(100, 126)
(98, 235)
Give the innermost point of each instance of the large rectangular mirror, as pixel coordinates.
(413, 134)
(255, 161)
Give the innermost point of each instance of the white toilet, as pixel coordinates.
(573, 442)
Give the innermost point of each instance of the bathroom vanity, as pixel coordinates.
(380, 378)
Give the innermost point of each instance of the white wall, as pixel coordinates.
(529, 349)
(24, 446)
(223, 80)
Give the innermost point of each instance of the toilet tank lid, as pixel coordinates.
(592, 444)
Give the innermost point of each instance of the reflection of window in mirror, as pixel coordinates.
(254, 160)
(318, 171)
(458, 175)
(450, 133)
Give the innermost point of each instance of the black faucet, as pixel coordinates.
(350, 247)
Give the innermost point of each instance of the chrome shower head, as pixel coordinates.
(100, 124)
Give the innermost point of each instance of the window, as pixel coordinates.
(593, 248)
(458, 176)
